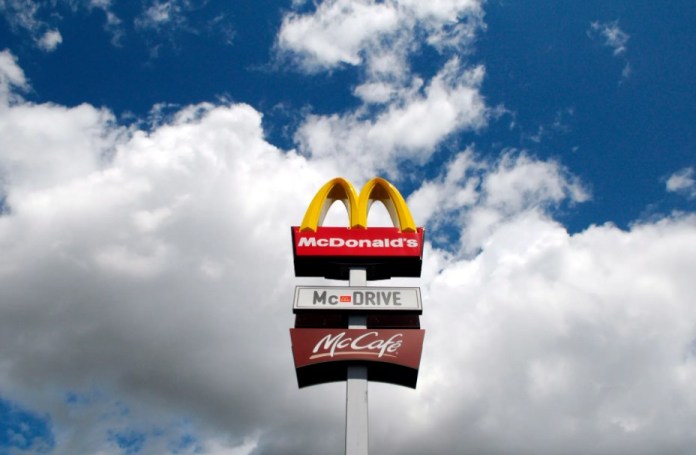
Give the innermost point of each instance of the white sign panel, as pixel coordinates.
(357, 298)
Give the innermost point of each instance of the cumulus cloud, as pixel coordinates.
(44, 145)
(50, 40)
(165, 206)
(401, 116)
(555, 340)
(146, 284)
(337, 32)
(411, 128)
(474, 196)
(682, 182)
(352, 33)
(11, 78)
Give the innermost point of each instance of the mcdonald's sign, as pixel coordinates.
(330, 251)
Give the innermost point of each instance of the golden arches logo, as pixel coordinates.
(358, 206)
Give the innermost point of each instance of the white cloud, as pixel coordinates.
(442, 11)
(21, 14)
(50, 40)
(337, 32)
(174, 15)
(167, 19)
(167, 206)
(45, 145)
(555, 340)
(161, 13)
(11, 77)
(402, 116)
(521, 182)
(375, 92)
(474, 197)
(380, 36)
(40, 19)
(148, 289)
(458, 188)
(615, 38)
(682, 182)
(410, 128)
(612, 35)
(113, 24)
(349, 32)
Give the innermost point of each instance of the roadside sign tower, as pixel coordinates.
(357, 333)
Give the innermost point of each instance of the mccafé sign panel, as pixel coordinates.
(398, 347)
(357, 298)
(383, 251)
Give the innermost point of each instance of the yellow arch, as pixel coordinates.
(332, 191)
(377, 189)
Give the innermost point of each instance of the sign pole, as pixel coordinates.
(356, 385)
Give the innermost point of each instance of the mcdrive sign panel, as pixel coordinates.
(357, 298)
(398, 347)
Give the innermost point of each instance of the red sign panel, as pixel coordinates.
(371, 242)
(385, 252)
(399, 347)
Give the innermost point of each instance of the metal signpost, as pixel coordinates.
(356, 384)
(357, 333)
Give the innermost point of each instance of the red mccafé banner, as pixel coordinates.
(398, 347)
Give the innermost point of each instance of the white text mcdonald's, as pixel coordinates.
(383, 251)
(337, 241)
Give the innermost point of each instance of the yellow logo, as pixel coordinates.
(340, 189)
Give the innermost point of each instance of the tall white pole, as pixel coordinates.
(356, 385)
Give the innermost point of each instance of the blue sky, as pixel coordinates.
(153, 153)
(615, 109)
